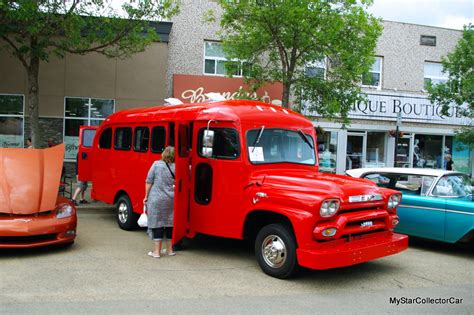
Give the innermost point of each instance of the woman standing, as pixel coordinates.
(159, 201)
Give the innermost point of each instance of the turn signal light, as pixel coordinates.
(329, 232)
(395, 222)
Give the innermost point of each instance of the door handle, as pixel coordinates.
(179, 185)
(84, 155)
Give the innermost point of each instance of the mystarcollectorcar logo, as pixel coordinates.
(424, 300)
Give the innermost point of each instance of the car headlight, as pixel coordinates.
(394, 201)
(329, 207)
(64, 211)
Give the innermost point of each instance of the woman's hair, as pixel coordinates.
(168, 155)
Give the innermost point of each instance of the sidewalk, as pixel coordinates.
(91, 204)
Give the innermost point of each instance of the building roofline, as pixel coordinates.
(423, 25)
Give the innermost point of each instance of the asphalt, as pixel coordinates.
(107, 271)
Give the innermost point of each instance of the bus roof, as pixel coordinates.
(241, 111)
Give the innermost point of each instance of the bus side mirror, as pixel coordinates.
(207, 143)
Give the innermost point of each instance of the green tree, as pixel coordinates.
(33, 31)
(282, 39)
(458, 91)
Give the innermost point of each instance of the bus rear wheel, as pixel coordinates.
(275, 249)
(126, 218)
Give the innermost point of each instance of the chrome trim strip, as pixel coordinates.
(424, 208)
(463, 212)
(435, 209)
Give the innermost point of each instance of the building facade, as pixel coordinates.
(80, 90)
(406, 57)
(189, 62)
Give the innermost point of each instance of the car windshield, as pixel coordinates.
(405, 183)
(280, 146)
(453, 186)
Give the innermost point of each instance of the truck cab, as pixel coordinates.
(245, 170)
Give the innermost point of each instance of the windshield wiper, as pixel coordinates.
(303, 136)
(257, 140)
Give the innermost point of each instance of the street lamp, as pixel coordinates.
(399, 123)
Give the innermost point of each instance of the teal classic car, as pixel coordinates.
(436, 204)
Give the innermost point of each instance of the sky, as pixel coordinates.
(442, 13)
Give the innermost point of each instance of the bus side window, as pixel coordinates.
(183, 140)
(123, 138)
(158, 139)
(171, 135)
(105, 141)
(142, 137)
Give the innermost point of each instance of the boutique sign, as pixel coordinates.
(412, 108)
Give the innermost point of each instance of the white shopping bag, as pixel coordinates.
(143, 219)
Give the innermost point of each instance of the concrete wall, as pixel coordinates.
(137, 81)
(186, 46)
(404, 57)
(399, 45)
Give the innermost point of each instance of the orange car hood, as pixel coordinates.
(29, 179)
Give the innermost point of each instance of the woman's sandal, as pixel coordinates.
(152, 254)
(172, 254)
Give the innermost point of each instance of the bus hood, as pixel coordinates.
(29, 179)
(314, 186)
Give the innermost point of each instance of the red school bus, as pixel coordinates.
(244, 170)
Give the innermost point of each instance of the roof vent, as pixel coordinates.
(215, 97)
(426, 40)
(173, 101)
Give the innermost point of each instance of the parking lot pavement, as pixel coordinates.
(107, 270)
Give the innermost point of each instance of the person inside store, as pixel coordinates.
(159, 202)
(29, 143)
(51, 142)
(448, 162)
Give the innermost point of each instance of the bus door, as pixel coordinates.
(182, 180)
(86, 139)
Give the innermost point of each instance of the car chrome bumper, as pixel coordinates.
(359, 249)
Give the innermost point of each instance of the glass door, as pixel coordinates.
(356, 150)
(405, 151)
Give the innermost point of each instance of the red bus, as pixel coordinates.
(244, 170)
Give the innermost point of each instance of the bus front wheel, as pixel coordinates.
(275, 249)
(126, 218)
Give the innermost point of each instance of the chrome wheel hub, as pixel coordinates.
(123, 212)
(274, 251)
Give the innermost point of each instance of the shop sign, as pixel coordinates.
(192, 88)
(412, 109)
(11, 141)
(70, 147)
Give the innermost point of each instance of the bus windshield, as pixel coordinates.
(266, 145)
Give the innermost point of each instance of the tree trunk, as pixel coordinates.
(285, 102)
(33, 101)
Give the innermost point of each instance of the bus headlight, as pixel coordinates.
(394, 201)
(329, 207)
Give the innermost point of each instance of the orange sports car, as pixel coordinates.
(31, 212)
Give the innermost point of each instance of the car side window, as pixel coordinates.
(379, 179)
(409, 184)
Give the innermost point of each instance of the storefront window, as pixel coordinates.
(215, 61)
(355, 151)
(374, 76)
(428, 151)
(82, 112)
(375, 156)
(404, 152)
(327, 151)
(433, 73)
(11, 121)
